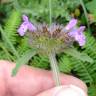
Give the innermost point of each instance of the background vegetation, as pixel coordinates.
(38, 11)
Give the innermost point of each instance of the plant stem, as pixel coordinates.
(50, 12)
(52, 57)
(54, 68)
(86, 15)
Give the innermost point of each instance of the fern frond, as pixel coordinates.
(90, 46)
(65, 64)
(8, 43)
(4, 56)
(92, 90)
(83, 70)
(40, 62)
(11, 26)
(23, 45)
(5, 53)
(87, 71)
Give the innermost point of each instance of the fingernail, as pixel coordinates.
(69, 90)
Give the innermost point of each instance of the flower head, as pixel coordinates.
(55, 37)
(50, 38)
(26, 25)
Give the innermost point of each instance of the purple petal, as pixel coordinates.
(25, 18)
(80, 39)
(81, 29)
(72, 32)
(23, 28)
(26, 25)
(31, 27)
(78, 35)
(71, 24)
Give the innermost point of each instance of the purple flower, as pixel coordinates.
(26, 25)
(78, 35)
(71, 24)
(31, 27)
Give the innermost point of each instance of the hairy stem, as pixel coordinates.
(54, 68)
(50, 12)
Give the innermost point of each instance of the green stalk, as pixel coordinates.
(86, 15)
(52, 55)
(54, 67)
(50, 12)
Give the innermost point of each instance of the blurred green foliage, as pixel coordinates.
(38, 11)
(91, 6)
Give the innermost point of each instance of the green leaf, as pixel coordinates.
(23, 60)
(81, 56)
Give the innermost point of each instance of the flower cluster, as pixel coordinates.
(56, 37)
(77, 33)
